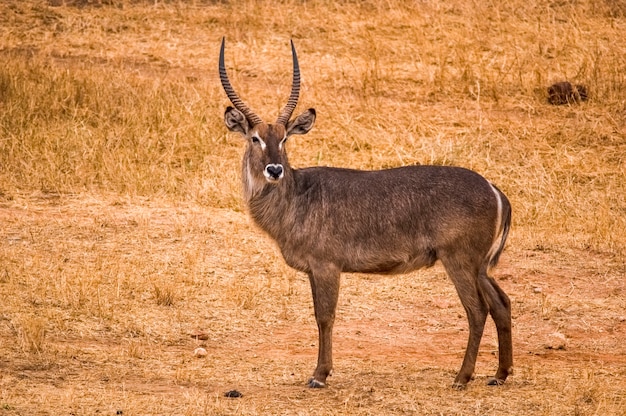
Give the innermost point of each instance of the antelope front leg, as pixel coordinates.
(325, 288)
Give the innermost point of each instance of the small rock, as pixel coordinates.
(537, 289)
(566, 93)
(200, 335)
(233, 393)
(200, 352)
(556, 341)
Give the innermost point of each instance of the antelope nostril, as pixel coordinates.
(274, 171)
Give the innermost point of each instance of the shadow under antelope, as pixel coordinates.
(329, 220)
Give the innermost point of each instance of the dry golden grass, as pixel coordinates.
(122, 231)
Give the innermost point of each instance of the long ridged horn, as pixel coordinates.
(232, 95)
(285, 115)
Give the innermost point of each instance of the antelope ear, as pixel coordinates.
(301, 124)
(236, 121)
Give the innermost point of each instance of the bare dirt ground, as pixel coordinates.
(112, 344)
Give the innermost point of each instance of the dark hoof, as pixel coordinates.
(495, 382)
(459, 386)
(314, 384)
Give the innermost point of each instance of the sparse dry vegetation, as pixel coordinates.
(122, 231)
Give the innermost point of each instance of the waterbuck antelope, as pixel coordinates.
(331, 220)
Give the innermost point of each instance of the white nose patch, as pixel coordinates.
(274, 172)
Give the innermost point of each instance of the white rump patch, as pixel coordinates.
(498, 230)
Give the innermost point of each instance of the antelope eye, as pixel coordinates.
(255, 139)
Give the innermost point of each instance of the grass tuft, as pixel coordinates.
(32, 334)
(164, 295)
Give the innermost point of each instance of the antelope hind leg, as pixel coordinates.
(500, 310)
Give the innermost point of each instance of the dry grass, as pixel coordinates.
(122, 231)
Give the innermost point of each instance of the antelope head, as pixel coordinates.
(265, 159)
